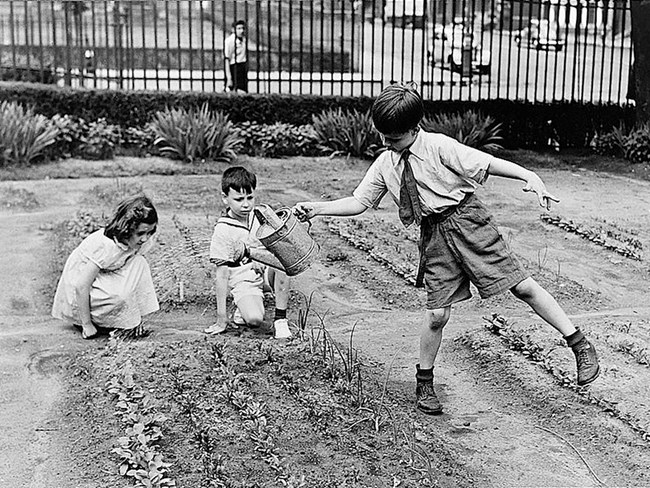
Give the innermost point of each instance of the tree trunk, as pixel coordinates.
(641, 47)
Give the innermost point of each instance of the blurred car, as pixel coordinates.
(458, 46)
(540, 34)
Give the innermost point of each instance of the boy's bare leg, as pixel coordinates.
(280, 282)
(430, 338)
(431, 335)
(543, 303)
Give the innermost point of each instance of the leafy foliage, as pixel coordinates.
(347, 132)
(24, 135)
(609, 143)
(471, 128)
(99, 141)
(633, 145)
(637, 145)
(275, 140)
(191, 134)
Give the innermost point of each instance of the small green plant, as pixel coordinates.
(138, 450)
(347, 132)
(471, 128)
(195, 134)
(24, 135)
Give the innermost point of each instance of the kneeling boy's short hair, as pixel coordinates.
(397, 109)
(239, 179)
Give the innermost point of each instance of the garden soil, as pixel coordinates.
(513, 415)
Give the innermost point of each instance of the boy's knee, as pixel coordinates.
(436, 319)
(525, 289)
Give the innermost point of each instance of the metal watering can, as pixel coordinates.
(286, 238)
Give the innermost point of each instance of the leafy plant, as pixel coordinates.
(24, 135)
(610, 143)
(637, 145)
(69, 137)
(141, 139)
(347, 132)
(275, 140)
(191, 134)
(471, 128)
(138, 449)
(99, 141)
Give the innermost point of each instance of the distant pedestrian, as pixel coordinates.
(106, 282)
(433, 178)
(235, 53)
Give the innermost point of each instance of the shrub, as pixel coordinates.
(24, 135)
(99, 141)
(275, 140)
(471, 128)
(347, 132)
(191, 134)
(71, 131)
(609, 143)
(138, 139)
(637, 145)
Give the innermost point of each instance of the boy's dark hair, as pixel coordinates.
(397, 109)
(238, 22)
(239, 179)
(129, 214)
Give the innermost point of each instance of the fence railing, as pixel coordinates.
(534, 50)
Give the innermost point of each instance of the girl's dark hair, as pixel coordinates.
(397, 109)
(239, 179)
(129, 214)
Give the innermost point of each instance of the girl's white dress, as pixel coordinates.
(121, 294)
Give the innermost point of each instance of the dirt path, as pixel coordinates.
(503, 415)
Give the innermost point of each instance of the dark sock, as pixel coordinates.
(423, 374)
(574, 338)
(280, 314)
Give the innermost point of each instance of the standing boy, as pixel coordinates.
(433, 178)
(235, 58)
(244, 266)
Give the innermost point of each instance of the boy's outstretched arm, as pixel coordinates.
(343, 207)
(507, 169)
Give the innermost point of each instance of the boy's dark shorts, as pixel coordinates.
(466, 247)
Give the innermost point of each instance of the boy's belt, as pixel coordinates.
(438, 217)
(426, 231)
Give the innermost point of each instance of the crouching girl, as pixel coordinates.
(106, 281)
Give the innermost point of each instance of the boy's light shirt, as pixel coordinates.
(444, 169)
(228, 230)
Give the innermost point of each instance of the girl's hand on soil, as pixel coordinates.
(304, 211)
(535, 183)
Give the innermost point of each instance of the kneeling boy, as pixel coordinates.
(244, 266)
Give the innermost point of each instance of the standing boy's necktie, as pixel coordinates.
(409, 204)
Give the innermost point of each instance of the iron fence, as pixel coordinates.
(533, 50)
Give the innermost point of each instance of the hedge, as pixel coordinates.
(525, 125)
